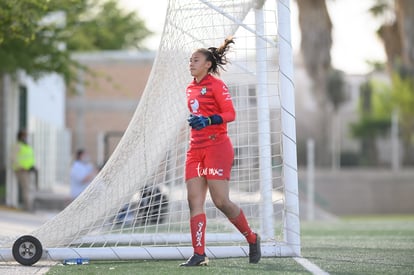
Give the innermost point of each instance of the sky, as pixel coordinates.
(354, 38)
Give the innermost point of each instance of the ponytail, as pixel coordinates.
(217, 56)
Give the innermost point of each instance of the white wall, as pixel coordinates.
(46, 99)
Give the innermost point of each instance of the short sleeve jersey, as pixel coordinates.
(210, 97)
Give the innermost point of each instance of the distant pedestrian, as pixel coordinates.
(23, 164)
(82, 173)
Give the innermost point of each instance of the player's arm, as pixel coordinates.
(225, 103)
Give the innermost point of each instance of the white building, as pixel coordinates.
(39, 107)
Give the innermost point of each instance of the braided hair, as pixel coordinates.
(217, 56)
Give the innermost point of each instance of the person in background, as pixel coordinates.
(23, 164)
(82, 173)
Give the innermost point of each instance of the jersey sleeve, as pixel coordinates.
(225, 102)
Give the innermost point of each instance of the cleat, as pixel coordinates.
(196, 260)
(255, 252)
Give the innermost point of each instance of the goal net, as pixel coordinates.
(136, 207)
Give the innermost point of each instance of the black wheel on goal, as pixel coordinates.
(27, 250)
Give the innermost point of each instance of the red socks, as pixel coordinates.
(240, 222)
(198, 232)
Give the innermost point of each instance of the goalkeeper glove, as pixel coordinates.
(200, 122)
(191, 118)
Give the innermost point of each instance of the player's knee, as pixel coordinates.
(222, 204)
(195, 206)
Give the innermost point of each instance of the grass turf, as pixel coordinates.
(358, 245)
(365, 245)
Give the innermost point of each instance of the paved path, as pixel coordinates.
(16, 223)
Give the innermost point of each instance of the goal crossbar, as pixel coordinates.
(240, 23)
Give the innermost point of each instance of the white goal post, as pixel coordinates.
(136, 207)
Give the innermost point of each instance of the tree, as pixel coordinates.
(397, 34)
(106, 27)
(402, 99)
(39, 36)
(29, 43)
(375, 119)
(315, 25)
(336, 93)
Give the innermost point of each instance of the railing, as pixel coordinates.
(52, 149)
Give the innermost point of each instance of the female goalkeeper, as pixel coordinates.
(210, 155)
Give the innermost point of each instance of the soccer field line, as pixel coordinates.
(311, 267)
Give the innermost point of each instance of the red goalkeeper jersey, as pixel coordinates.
(210, 97)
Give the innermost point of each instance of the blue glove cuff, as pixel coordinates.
(215, 119)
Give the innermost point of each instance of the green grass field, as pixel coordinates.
(357, 245)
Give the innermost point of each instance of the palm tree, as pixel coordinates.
(397, 34)
(315, 25)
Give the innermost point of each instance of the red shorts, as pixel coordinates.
(213, 162)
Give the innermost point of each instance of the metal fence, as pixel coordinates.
(52, 149)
